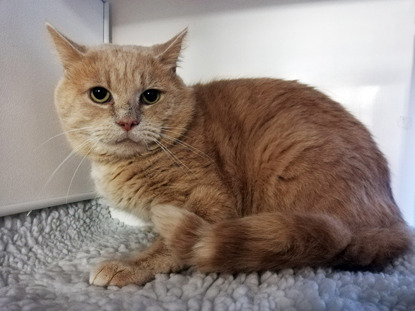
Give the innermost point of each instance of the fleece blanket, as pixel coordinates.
(45, 259)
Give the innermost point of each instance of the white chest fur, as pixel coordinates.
(131, 216)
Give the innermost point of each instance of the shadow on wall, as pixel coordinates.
(150, 10)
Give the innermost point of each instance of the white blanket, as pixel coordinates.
(45, 260)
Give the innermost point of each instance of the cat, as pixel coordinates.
(236, 175)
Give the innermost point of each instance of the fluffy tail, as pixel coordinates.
(275, 241)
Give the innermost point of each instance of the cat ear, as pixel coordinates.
(168, 53)
(68, 50)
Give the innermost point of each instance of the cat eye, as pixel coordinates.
(100, 95)
(150, 97)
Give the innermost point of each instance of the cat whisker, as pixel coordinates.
(61, 164)
(145, 143)
(154, 130)
(97, 196)
(77, 168)
(183, 129)
(61, 134)
(187, 146)
(171, 155)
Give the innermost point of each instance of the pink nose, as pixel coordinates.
(127, 123)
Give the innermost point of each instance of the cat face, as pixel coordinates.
(117, 100)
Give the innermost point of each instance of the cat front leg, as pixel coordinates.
(137, 269)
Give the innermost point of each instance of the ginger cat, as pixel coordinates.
(236, 175)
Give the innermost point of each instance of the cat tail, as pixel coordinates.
(275, 241)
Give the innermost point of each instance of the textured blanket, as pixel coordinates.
(45, 259)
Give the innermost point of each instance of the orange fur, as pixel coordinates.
(237, 175)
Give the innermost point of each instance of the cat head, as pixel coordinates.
(117, 101)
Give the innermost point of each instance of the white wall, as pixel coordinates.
(359, 52)
(29, 72)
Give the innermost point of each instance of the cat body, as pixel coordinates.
(237, 175)
(255, 160)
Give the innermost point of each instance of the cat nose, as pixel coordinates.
(127, 123)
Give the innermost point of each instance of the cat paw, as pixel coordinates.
(118, 273)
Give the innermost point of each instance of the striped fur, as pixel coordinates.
(237, 175)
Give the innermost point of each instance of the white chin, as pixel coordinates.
(128, 147)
